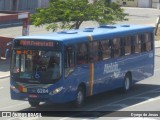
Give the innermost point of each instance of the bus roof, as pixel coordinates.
(99, 33)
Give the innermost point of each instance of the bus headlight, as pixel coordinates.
(55, 91)
(14, 89)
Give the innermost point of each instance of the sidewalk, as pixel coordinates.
(5, 64)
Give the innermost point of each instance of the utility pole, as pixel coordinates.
(157, 24)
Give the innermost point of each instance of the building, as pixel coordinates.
(127, 3)
(22, 5)
(139, 3)
(156, 4)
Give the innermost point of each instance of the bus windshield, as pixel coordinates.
(36, 66)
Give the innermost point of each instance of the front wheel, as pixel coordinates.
(80, 97)
(34, 104)
(127, 83)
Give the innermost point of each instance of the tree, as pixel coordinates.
(69, 14)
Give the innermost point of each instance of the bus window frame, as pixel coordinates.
(69, 68)
(86, 53)
(139, 44)
(127, 44)
(103, 52)
(113, 48)
(149, 41)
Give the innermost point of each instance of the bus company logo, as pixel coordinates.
(112, 67)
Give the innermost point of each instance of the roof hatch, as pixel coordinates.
(107, 26)
(125, 25)
(68, 32)
(88, 30)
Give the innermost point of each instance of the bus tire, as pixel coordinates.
(127, 83)
(34, 103)
(80, 97)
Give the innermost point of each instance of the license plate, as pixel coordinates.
(33, 96)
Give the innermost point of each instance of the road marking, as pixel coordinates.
(117, 105)
(94, 109)
(144, 102)
(146, 98)
(13, 106)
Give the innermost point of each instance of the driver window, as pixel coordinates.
(69, 59)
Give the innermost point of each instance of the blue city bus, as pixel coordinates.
(71, 65)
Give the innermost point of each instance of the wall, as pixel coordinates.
(139, 3)
(128, 3)
(156, 4)
(5, 4)
(27, 4)
(145, 3)
(43, 3)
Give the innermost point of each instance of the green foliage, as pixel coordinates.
(67, 14)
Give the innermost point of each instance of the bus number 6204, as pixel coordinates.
(42, 90)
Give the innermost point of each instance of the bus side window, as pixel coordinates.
(133, 44)
(69, 60)
(143, 43)
(148, 41)
(137, 43)
(122, 46)
(105, 50)
(82, 54)
(127, 44)
(116, 46)
(93, 51)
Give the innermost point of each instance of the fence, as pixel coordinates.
(23, 4)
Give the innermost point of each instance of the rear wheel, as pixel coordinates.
(127, 83)
(80, 97)
(34, 103)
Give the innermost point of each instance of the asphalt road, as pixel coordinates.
(144, 96)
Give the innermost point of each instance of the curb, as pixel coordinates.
(4, 76)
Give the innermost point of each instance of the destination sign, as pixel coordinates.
(36, 43)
